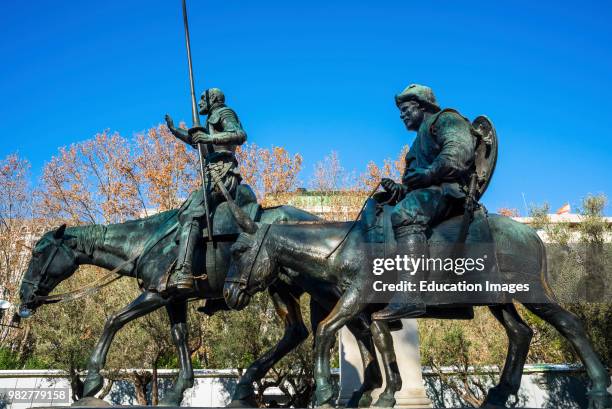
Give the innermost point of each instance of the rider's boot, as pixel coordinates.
(406, 304)
(181, 280)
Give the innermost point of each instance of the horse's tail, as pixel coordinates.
(521, 251)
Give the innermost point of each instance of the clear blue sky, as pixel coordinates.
(318, 76)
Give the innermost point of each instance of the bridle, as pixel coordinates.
(244, 278)
(91, 288)
(42, 283)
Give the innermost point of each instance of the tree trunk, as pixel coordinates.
(107, 388)
(75, 383)
(154, 386)
(141, 380)
(24, 340)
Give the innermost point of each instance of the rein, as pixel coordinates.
(92, 288)
(104, 281)
(354, 221)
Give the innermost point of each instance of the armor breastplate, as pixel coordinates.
(223, 149)
(227, 149)
(214, 125)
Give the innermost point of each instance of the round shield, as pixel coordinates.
(486, 153)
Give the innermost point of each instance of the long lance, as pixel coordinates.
(202, 150)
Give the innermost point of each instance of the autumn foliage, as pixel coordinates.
(109, 179)
(269, 171)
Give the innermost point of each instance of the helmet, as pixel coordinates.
(419, 93)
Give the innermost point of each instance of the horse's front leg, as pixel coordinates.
(177, 312)
(384, 343)
(349, 305)
(372, 376)
(144, 304)
(288, 309)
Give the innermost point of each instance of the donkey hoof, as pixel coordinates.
(385, 401)
(365, 401)
(600, 399)
(91, 402)
(242, 403)
(93, 384)
(492, 406)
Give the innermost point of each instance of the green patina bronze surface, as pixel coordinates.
(221, 135)
(57, 255)
(291, 252)
(448, 167)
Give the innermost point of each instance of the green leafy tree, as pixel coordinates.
(580, 266)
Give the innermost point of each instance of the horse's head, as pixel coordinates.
(52, 262)
(252, 269)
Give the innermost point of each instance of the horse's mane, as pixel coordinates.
(90, 236)
(155, 218)
(313, 222)
(87, 237)
(305, 222)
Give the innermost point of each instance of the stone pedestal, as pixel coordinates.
(406, 342)
(351, 370)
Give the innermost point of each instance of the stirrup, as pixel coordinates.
(399, 310)
(180, 281)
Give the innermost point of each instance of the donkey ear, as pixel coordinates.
(59, 233)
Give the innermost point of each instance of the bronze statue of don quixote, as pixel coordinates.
(223, 247)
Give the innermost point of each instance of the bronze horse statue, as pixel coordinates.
(58, 254)
(323, 254)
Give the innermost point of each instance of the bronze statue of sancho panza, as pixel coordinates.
(434, 184)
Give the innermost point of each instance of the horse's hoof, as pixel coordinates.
(93, 384)
(600, 400)
(356, 397)
(496, 398)
(385, 401)
(323, 395)
(91, 402)
(242, 403)
(489, 405)
(170, 399)
(365, 401)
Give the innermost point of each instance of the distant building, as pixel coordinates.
(345, 205)
(335, 205)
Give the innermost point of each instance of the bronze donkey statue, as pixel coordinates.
(315, 255)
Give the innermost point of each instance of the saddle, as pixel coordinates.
(223, 222)
(442, 240)
(224, 229)
(376, 222)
